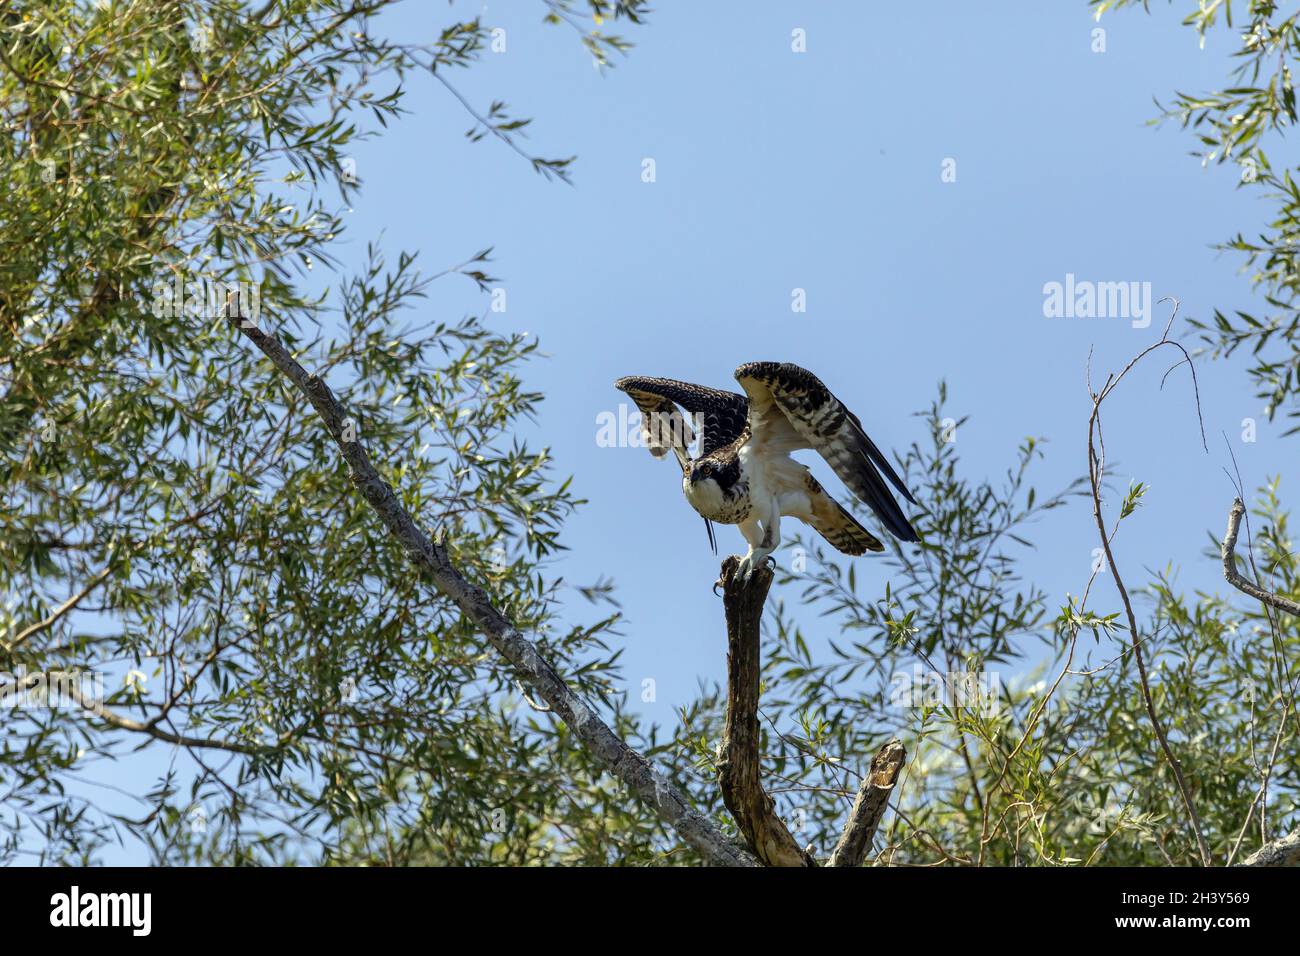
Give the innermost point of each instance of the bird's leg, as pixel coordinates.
(761, 543)
(753, 533)
(771, 535)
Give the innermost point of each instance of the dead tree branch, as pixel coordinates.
(1234, 577)
(739, 774)
(739, 769)
(1283, 852)
(630, 766)
(1096, 474)
(869, 807)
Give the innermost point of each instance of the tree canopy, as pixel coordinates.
(270, 534)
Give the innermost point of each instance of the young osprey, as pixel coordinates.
(745, 475)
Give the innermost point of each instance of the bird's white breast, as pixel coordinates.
(757, 467)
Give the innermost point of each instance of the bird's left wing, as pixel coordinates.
(791, 408)
(721, 416)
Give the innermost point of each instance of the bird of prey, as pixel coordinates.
(744, 474)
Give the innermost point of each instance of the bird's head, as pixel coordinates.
(701, 470)
(711, 479)
(703, 481)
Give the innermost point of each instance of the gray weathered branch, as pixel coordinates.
(869, 807)
(631, 767)
(1234, 577)
(1283, 852)
(739, 773)
(1286, 851)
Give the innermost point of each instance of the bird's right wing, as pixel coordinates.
(721, 416)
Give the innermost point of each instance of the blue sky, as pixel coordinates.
(821, 170)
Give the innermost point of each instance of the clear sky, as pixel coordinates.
(822, 171)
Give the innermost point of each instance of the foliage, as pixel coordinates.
(283, 687)
(295, 687)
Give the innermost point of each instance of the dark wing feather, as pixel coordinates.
(821, 422)
(721, 416)
(835, 524)
(663, 427)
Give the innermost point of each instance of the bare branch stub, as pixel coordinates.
(869, 806)
(739, 773)
(1286, 851)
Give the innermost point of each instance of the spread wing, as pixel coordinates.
(835, 524)
(790, 408)
(721, 416)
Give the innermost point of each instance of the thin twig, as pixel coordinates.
(1096, 469)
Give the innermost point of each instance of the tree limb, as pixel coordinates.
(631, 767)
(1283, 852)
(869, 806)
(739, 774)
(1234, 577)
(58, 612)
(63, 684)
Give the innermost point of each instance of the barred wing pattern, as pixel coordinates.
(832, 522)
(722, 416)
(791, 408)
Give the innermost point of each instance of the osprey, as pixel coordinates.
(745, 475)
